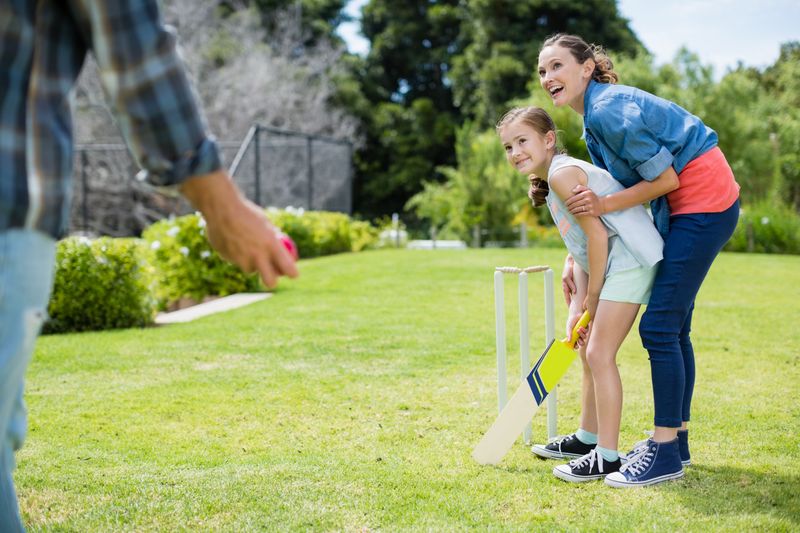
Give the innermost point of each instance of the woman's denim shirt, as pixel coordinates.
(636, 135)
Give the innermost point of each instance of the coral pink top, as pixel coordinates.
(707, 185)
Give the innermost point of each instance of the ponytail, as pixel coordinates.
(538, 191)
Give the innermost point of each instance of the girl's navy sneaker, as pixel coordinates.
(655, 463)
(590, 466)
(565, 447)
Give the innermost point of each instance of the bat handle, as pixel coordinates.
(582, 323)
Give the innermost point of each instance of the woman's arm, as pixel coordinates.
(562, 182)
(585, 202)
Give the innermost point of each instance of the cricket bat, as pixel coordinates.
(546, 374)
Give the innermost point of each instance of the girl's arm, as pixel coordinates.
(568, 279)
(581, 280)
(562, 182)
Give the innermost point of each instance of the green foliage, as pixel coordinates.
(767, 227)
(318, 233)
(407, 144)
(502, 42)
(546, 236)
(100, 284)
(482, 190)
(434, 65)
(186, 264)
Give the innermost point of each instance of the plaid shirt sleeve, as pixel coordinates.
(42, 48)
(148, 89)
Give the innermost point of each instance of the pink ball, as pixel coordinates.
(289, 244)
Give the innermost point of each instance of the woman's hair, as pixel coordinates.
(538, 119)
(581, 51)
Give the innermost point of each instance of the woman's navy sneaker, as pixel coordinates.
(565, 447)
(590, 466)
(683, 447)
(655, 463)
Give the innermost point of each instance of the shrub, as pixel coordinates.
(767, 228)
(545, 236)
(187, 266)
(318, 233)
(100, 284)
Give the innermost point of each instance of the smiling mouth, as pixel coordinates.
(556, 90)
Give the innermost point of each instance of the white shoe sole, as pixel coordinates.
(623, 483)
(567, 475)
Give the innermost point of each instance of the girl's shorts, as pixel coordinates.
(631, 286)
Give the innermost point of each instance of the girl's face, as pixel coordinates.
(526, 149)
(563, 78)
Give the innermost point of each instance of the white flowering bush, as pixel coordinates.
(103, 283)
(187, 266)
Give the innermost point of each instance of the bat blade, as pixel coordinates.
(546, 373)
(506, 428)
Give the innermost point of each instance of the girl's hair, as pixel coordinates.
(581, 51)
(538, 119)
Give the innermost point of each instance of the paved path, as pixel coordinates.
(209, 308)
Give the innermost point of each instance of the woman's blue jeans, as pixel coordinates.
(693, 242)
(26, 272)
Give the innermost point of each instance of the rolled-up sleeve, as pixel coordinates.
(621, 125)
(149, 91)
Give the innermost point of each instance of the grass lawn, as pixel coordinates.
(351, 401)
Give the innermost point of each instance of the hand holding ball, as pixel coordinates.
(290, 246)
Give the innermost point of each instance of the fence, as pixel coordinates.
(272, 167)
(282, 168)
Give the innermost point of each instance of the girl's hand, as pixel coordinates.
(583, 333)
(584, 202)
(590, 304)
(568, 281)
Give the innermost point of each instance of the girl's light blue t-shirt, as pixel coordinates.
(633, 240)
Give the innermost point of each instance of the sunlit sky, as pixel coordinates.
(720, 32)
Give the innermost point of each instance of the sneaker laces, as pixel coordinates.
(558, 439)
(639, 462)
(590, 458)
(639, 447)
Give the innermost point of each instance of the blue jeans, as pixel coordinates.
(26, 277)
(693, 242)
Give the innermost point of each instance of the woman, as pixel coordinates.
(663, 154)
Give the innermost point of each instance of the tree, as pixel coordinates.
(504, 38)
(457, 61)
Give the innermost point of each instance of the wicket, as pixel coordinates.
(524, 336)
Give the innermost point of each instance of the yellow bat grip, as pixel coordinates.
(582, 323)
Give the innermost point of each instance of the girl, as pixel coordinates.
(663, 154)
(615, 263)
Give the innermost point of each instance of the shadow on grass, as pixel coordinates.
(720, 490)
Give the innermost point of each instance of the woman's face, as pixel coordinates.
(563, 78)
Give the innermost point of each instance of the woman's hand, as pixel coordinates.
(584, 202)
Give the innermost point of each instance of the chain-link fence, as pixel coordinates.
(283, 168)
(273, 168)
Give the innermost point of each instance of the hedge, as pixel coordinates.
(99, 284)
